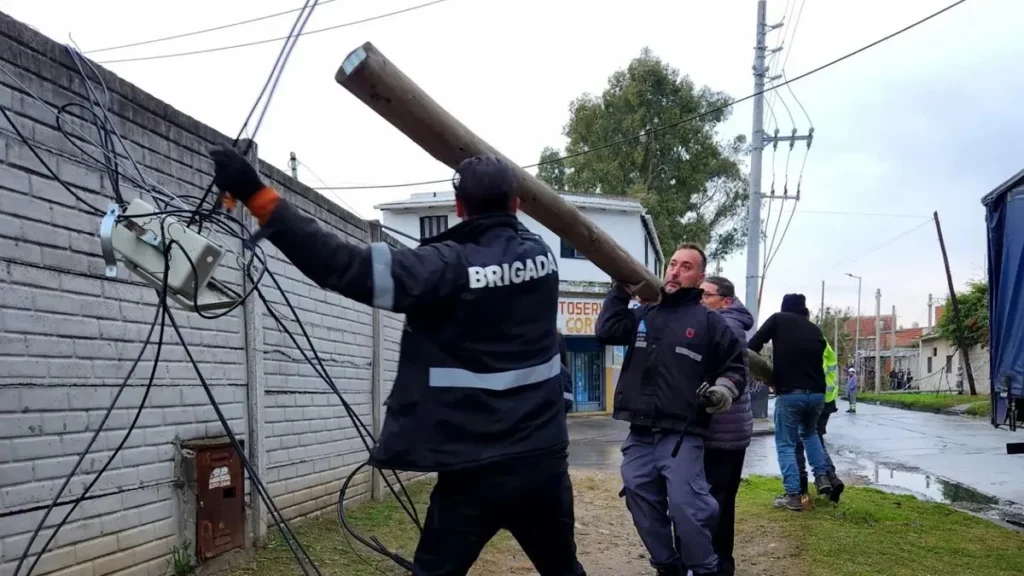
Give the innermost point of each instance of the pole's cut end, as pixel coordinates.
(353, 62)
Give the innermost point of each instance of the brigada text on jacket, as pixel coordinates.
(479, 377)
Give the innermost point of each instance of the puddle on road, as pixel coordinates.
(898, 479)
(761, 460)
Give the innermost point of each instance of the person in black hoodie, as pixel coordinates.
(799, 381)
(674, 346)
(479, 393)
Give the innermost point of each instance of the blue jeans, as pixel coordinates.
(796, 418)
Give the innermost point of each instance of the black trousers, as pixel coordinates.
(532, 500)
(724, 471)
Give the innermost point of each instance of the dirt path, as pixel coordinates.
(609, 545)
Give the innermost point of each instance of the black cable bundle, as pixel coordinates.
(255, 268)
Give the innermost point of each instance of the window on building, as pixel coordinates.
(935, 351)
(568, 251)
(949, 364)
(432, 225)
(647, 252)
(929, 363)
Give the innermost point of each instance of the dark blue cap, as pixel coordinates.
(485, 184)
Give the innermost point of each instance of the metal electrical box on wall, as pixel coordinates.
(220, 502)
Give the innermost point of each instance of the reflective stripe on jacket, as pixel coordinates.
(480, 379)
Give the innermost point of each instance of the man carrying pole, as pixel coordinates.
(674, 346)
(479, 402)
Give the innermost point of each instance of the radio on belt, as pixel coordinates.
(140, 237)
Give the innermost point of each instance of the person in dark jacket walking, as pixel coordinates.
(673, 347)
(799, 380)
(731, 430)
(478, 397)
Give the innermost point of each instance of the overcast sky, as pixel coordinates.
(928, 121)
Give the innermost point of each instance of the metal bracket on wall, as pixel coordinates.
(107, 239)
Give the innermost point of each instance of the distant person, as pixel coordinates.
(799, 379)
(893, 379)
(851, 390)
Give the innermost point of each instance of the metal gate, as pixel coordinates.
(588, 380)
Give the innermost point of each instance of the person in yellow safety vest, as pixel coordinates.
(831, 365)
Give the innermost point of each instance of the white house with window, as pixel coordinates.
(582, 284)
(941, 366)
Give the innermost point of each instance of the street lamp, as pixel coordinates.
(856, 338)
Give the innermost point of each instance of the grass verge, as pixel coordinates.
(876, 533)
(929, 402)
(871, 532)
(337, 554)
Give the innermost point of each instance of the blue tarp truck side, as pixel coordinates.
(1004, 216)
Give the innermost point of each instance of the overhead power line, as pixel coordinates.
(203, 31)
(269, 40)
(873, 214)
(878, 247)
(689, 118)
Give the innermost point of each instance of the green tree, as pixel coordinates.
(687, 177)
(844, 349)
(973, 306)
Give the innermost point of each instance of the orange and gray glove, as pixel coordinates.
(235, 177)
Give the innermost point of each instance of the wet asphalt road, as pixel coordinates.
(951, 459)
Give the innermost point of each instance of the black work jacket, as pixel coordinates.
(479, 375)
(672, 348)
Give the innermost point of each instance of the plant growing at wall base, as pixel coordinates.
(181, 560)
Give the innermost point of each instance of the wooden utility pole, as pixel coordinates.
(372, 78)
(965, 355)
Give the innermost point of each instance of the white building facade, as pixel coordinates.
(582, 284)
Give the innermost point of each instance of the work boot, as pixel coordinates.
(790, 502)
(823, 486)
(670, 571)
(837, 487)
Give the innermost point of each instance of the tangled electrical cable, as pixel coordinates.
(110, 160)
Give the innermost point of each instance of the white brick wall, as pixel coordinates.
(68, 336)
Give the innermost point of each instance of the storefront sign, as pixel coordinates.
(578, 316)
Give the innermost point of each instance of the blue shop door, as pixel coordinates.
(586, 361)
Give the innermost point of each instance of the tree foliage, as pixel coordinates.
(973, 306)
(844, 348)
(686, 176)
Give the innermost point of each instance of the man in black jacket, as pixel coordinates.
(478, 397)
(799, 381)
(673, 347)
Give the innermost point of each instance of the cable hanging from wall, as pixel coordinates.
(116, 161)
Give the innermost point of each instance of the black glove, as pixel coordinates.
(233, 174)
